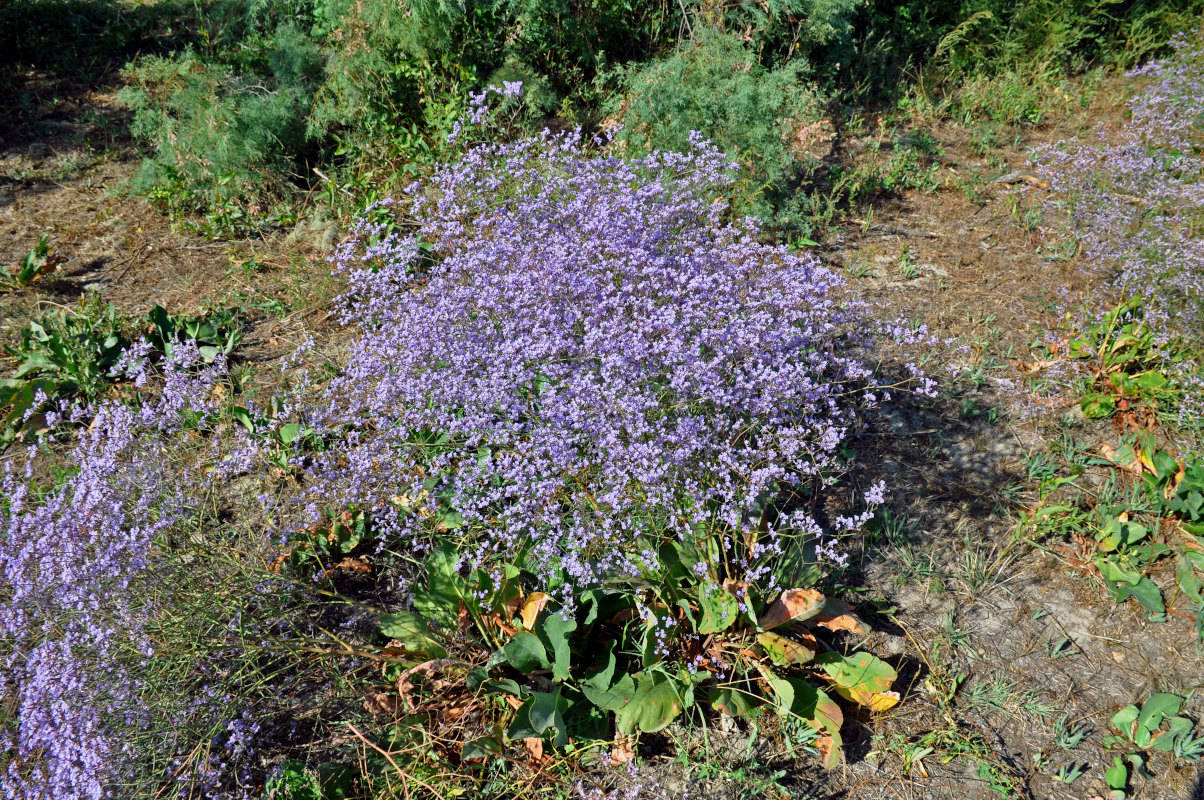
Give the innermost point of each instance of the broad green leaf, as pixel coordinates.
(600, 679)
(792, 605)
(719, 609)
(1191, 583)
(859, 671)
(783, 693)
(1119, 533)
(290, 432)
(1176, 728)
(1165, 465)
(733, 702)
(653, 706)
(1117, 775)
(614, 696)
(1145, 592)
(1098, 406)
(506, 685)
(413, 633)
(815, 707)
(1150, 380)
(525, 653)
(784, 652)
(554, 632)
(484, 747)
(874, 701)
(440, 599)
(1113, 571)
(1160, 706)
(1139, 766)
(547, 711)
(1123, 720)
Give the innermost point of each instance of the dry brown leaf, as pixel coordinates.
(512, 606)
(1035, 366)
(1134, 467)
(534, 747)
(623, 749)
(535, 603)
(839, 616)
(792, 604)
(377, 703)
(828, 755)
(501, 624)
(356, 565)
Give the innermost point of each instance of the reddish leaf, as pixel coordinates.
(792, 605)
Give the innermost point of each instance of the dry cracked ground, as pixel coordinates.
(1006, 651)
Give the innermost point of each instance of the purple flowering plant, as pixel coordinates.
(125, 670)
(577, 380)
(1137, 199)
(574, 354)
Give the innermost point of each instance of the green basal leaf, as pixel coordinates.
(413, 633)
(440, 599)
(719, 609)
(859, 671)
(733, 702)
(652, 707)
(1190, 583)
(1145, 592)
(525, 653)
(1118, 534)
(1123, 720)
(1115, 572)
(554, 633)
(1117, 775)
(1098, 406)
(485, 747)
(784, 652)
(1160, 706)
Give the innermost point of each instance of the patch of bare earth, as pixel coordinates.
(999, 644)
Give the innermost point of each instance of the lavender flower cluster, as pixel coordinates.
(74, 567)
(1139, 199)
(609, 360)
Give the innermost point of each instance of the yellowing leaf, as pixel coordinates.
(535, 603)
(874, 701)
(784, 651)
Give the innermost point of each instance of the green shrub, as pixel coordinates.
(218, 132)
(718, 88)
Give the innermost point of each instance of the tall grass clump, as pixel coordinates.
(1008, 61)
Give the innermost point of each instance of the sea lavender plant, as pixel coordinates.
(574, 354)
(77, 572)
(1137, 199)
